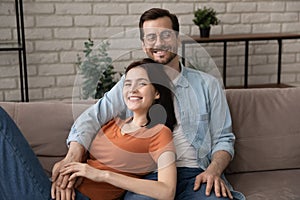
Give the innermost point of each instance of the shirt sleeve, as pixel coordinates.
(222, 135)
(161, 142)
(90, 121)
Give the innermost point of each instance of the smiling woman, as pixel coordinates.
(139, 94)
(125, 150)
(149, 79)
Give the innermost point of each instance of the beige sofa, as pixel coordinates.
(266, 123)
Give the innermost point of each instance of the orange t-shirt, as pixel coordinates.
(133, 154)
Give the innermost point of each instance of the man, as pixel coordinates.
(204, 141)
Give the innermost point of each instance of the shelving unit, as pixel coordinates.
(20, 47)
(243, 38)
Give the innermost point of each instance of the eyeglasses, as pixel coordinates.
(166, 36)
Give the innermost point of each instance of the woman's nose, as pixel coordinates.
(133, 88)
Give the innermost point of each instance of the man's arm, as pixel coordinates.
(90, 121)
(222, 144)
(220, 122)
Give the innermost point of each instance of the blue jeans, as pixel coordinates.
(185, 184)
(21, 174)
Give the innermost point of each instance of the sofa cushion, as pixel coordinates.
(267, 128)
(279, 184)
(46, 126)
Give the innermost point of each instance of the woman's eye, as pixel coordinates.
(142, 84)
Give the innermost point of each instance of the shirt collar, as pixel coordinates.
(181, 79)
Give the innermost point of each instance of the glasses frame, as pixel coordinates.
(166, 38)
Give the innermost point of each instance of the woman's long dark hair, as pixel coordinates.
(162, 111)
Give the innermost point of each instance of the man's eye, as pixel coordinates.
(127, 84)
(166, 34)
(151, 37)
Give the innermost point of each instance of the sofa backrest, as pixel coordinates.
(266, 123)
(46, 126)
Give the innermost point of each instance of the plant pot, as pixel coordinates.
(204, 32)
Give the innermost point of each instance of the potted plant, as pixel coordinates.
(204, 19)
(97, 70)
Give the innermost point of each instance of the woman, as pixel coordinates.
(124, 150)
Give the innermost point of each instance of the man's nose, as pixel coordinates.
(159, 41)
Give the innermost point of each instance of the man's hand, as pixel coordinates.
(212, 175)
(212, 182)
(62, 188)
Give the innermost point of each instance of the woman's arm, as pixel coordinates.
(164, 188)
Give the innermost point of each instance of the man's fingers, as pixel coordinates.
(224, 190)
(71, 184)
(65, 181)
(53, 192)
(57, 194)
(209, 185)
(229, 193)
(73, 194)
(59, 180)
(68, 194)
(55, 172)
(218, 188)
(198, 181)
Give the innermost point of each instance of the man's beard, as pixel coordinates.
(172, 53)
(164, 62)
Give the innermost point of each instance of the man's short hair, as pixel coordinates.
(155, 13)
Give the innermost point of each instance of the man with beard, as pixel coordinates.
(203, 138)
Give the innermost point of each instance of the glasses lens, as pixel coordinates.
(150, 38)
(164, 35)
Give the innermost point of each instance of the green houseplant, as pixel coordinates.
(204, 19)
(97, 70)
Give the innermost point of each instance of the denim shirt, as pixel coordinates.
(202, 106)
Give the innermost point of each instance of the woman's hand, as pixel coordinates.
(77, 169)
(61, 188)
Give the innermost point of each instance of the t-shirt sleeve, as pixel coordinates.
(161, 142)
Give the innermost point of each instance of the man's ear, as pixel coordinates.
(143, 46)
(178, 41)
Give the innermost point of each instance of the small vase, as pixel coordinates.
(204, 32)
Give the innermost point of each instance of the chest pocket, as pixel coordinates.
(203, 140)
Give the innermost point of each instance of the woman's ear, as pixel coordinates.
(157, 95)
